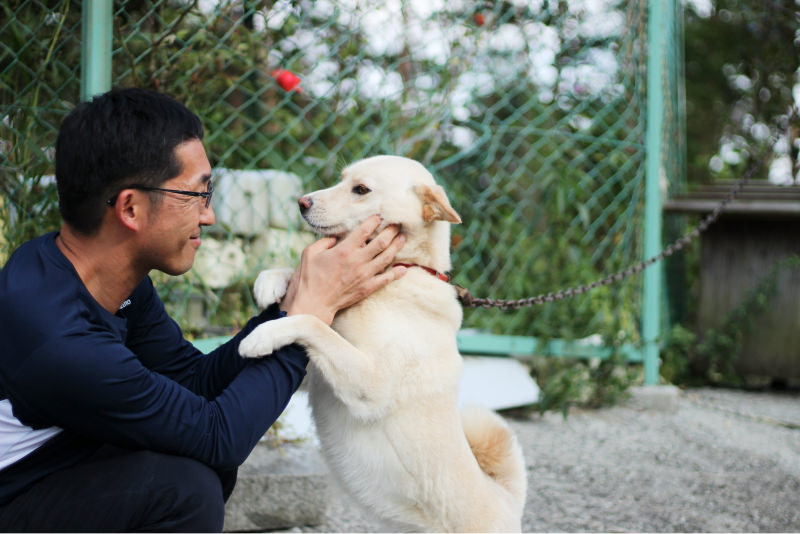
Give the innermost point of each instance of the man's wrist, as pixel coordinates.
(326, 318)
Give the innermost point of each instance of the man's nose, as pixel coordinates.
(207, 217)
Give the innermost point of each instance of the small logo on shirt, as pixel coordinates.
(125, 304)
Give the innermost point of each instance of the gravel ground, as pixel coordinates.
(725, 461)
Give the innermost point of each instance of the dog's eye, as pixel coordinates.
(361, 189)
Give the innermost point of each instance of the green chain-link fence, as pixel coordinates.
(530, 114)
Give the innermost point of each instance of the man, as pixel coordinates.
(109, 419)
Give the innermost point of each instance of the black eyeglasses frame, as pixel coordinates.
(207, 194)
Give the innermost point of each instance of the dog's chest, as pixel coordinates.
(415, 305)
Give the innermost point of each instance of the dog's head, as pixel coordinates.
(400, 190)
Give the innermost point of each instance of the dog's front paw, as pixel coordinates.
(259, 342)
(271, 286)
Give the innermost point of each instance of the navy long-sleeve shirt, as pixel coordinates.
(74, 376)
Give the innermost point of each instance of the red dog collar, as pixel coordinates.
(437, 274)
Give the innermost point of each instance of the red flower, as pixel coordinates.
(287, 80)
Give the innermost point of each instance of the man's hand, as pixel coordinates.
(334, 275)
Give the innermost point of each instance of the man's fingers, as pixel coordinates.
(360, 235)
(396, 272)
(386, 256)
(390, 275)
(334, 275)
(385, 240)
(321, 244)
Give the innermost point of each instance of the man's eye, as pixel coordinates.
(361, 190)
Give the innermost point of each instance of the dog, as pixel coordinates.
(383, 379)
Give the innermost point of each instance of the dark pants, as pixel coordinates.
(118, 490)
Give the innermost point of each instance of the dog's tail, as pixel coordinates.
(496, 449)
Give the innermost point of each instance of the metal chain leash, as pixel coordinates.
(469, 301)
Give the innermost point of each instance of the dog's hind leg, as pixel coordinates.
(496, 449)
(355, 377)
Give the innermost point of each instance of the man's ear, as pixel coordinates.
(435, 206)
(128, 209)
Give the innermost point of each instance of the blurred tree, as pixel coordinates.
(39, 79)
(742, 65)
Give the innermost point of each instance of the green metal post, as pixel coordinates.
(657, 25)
(97, 25)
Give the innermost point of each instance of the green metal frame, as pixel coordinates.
(96, 42)
(659, 24)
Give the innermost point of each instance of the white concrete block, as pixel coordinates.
(279, 488)
(250, 201)
(219, 263)
(496, 383)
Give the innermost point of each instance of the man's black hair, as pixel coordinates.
(119, 138)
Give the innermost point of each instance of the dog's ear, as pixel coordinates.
(435, 206)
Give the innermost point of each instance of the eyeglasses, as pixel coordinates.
(207, 194)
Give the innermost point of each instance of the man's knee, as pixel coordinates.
(190, 495)
(121, 490)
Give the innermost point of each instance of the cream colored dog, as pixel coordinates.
(383, 380)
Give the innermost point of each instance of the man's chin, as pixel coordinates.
(178, 268)
(173, 272)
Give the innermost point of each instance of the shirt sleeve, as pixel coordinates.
(97, 387)
(155, 390)
(158, 342)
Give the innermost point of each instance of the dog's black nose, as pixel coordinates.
(305, 204)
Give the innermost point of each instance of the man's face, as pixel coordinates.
(175, 223)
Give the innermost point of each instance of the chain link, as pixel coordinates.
(469, 301)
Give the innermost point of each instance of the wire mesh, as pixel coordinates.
(530, 114)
